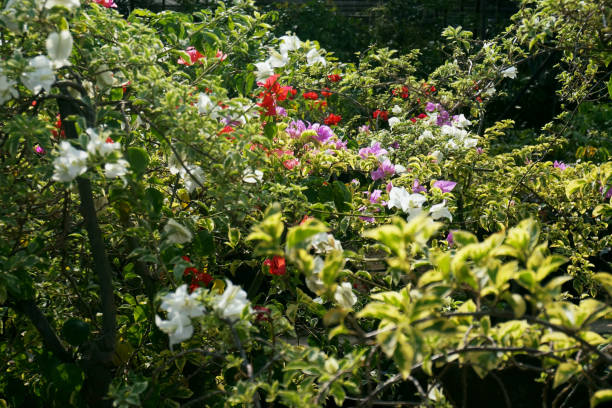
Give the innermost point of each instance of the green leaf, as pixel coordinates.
(610, 86)
(301, 233)
(154, 201)
(203, 243)
(270, 130)
(601, 396)
(564, 372)
(75, 331)
(233, 235)
(138, 158)
(342, 196)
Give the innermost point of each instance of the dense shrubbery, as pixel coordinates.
(197, 213)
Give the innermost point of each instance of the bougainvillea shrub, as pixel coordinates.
(197, 213)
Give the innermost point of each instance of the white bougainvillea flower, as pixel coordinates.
(176, 233)
(69, 4)
(400, 198)
(252, 176)
(324, 242)
(396, 109)
(440, 211)
(181, 307)
(461, 121)
(231, 303)
(194, 178)
(278, 59)
(182, 303)
(426, 135)
(313, 280)
(178, 328)
(289, 43)
(264, 70)
(101, 144)
(70, 163)
(509, 73)
(470, 142)
(313, 57)
(7, 89)
(104, 77)
(40, 76)
(344, 295)
(118, 169)
(59, 48)
(207, 107)
(393, 121)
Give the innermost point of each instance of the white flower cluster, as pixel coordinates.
(180, 307)
(177, 233)
(191, 175)
(72, 162)
(39, 74)
(412, 204)
(279, 59)
(232, 302)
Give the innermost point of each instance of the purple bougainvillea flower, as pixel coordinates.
(449, 238)
(445, 185)
(375, 150)
(389, 186)
(559, 165)
(430, 106)
(324, 133)
(375, 196)
(417, 187)
(296, 128)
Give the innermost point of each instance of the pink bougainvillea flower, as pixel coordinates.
(106, 3)
(291, 163)
(386, 168)
(261, 314)
(445, 186)
(375, 150)
(559, 165)
(39, 150)
(194, 56)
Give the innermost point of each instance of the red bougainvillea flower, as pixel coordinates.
(325, 92)
(198, 279)
(332, 119)
(194, 56)
(58, 126)
(276, 265)
(334, 77)
(306, 218)
(403, 92)
(413, 120)
(422, 116)
(106, 3)
(261, 314)
(220, 55)
(380, 114)
(226, 129)
(311, 95)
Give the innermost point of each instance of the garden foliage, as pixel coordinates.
(197, 213)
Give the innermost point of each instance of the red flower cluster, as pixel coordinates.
(403, 93)
(311, 95)
(194, 56)
(325, 92)
(273, 93)
(332, 119)
(198, 279)
(261, 314)
(380, 114)
(276, 265)
(58, 127)
(334, 77)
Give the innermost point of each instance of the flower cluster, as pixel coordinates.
(280, 58)
(180, 307)
(197, 278)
